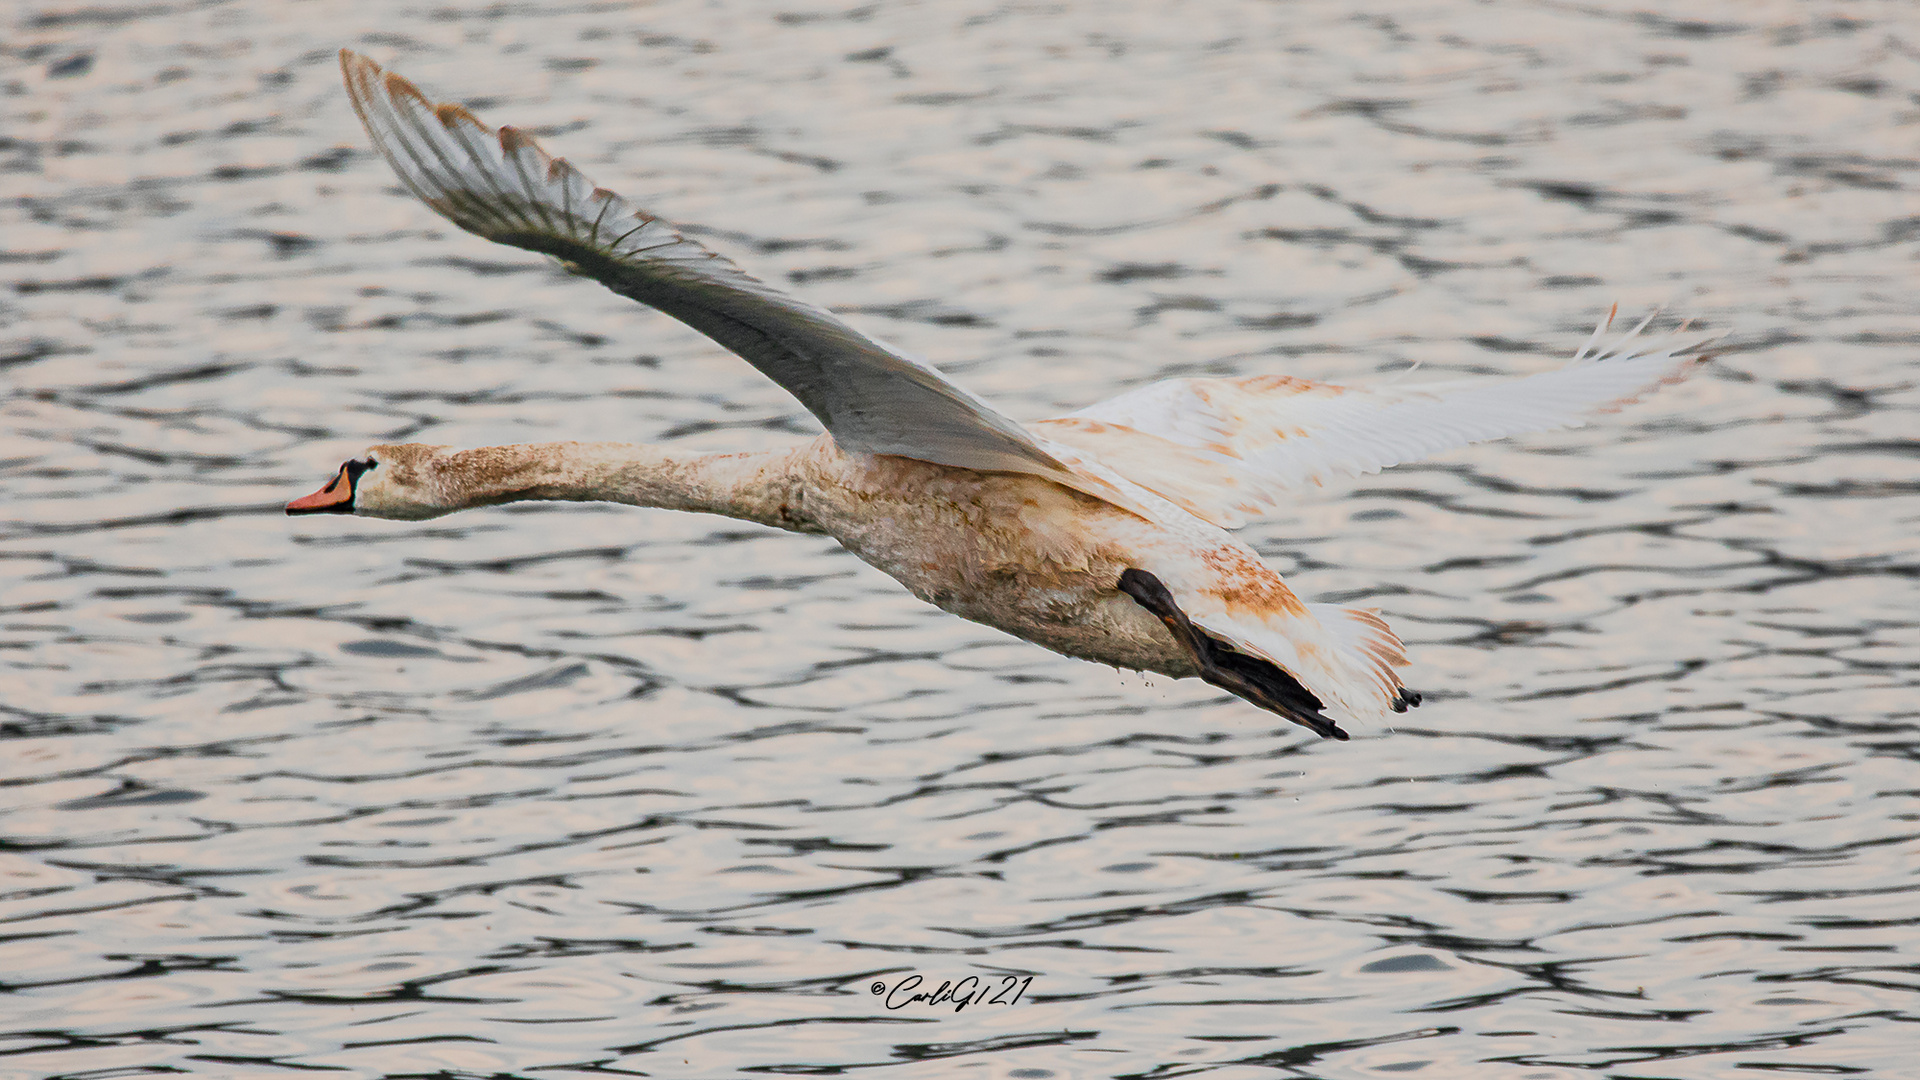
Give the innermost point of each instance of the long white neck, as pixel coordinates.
(762, 486)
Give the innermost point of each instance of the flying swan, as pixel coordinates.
(1103, 534)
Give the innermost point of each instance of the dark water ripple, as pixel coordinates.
(554, 790)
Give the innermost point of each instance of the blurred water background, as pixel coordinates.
(556, 790)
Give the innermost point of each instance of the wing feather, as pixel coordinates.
(1229, 450)
(501, 186)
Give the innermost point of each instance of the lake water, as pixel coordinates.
(555, 790)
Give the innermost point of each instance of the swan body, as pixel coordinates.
(1103, 535)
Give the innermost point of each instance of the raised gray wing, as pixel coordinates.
(503, 187)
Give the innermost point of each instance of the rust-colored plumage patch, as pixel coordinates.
(1243, 584)
(513, 140)
(1383, 644)
(1280, 385)
(452, 115)
(399, 87)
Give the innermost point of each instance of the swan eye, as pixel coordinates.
(354, 469)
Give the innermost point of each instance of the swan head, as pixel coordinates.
(399, 482)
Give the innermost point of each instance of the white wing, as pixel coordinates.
(504, 188)
(1229, 450)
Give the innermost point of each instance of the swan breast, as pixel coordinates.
(1015, 552)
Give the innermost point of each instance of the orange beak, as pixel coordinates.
(335, 498)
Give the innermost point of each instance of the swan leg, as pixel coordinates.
(1258, 681)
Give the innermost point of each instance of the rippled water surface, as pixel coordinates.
(565, 789)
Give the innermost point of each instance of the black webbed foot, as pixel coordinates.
(1258, 681)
